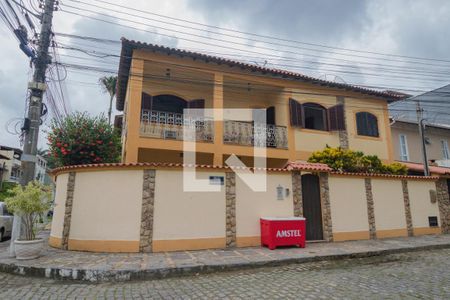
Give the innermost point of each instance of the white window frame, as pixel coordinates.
(445, 151)
(404, 152)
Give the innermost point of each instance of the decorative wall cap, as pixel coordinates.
(386, 176)
(433, 169)
(304, 165)
(288, 168)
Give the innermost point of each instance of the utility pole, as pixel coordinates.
(37, 88)
(33, 120)
(420, 120)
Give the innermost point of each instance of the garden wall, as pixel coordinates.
(136, 208)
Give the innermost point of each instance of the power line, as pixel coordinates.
(209, 38)
(263, 36)
(184, 26)
(233, 86)
(167, 63)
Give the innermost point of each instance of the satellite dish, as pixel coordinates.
(332, 78)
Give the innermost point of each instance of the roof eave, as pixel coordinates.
(129, 46)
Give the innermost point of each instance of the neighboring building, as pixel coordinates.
(408, 145)
(435, 105)
(11, 166)
(40, 171)
(304, 114)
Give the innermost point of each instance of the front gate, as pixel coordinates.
(312, 208)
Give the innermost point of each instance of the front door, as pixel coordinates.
(312, 208)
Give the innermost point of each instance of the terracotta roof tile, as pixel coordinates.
(385, 175)
(297, 165)
(290, 166)
(129, 45)
(433, 169)
(304, 165)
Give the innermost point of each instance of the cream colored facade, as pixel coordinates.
(106, 211)
(422, 206)
(389, 207)
(187, 219)
(348, 208)
(156, 73)
(251, 206)
(435, 135)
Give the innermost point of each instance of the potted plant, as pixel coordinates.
(29, 202)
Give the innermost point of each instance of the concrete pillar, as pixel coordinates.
(343, 134)
(133, 110)
(68, 211)
(218, 118)
(370, 208)
(148, 201)
(230, 200)
(408, 215)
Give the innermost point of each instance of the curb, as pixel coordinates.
(195, 269)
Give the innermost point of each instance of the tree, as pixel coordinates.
(82, 139)
(29, 202)
(108, 85)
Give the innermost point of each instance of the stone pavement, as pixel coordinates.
(60, 264)
(412, 275)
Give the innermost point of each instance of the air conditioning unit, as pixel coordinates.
(170, 134)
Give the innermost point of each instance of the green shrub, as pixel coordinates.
(29, 202)
(6, 190)
(344, 160)
(82, 139)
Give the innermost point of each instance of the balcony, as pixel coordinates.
(169, 126)
(246, 134)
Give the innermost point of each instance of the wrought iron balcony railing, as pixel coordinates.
(249, 134)
(168, 125)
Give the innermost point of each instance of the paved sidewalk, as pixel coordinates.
(59, 264)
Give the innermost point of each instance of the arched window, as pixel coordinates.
(367, 124)
(315, 116)
(169, 103)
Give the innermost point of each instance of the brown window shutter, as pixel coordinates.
(296, 113)
(146, 101)
(336, 118)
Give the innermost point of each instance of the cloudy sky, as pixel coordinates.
(305, 32)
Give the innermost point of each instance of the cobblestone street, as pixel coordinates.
(424, 274)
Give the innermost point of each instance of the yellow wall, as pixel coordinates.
(60, 205)
(389, 207)
(239, 89)
(251, 206)
(194, 220)
(420, 203)
(107, 206)
(348, 208)
(381, 146)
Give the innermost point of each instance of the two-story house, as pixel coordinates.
(303, 114)
(408, 144)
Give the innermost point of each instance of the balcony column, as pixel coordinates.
(133, 110)
(218, 118)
